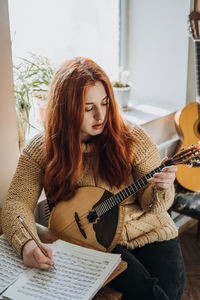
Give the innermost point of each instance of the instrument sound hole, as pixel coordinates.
(196, 128)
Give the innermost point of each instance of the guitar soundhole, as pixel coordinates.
(196, 128)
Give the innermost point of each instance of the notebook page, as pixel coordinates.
(79, 274)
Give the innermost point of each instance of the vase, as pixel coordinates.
(122, 95)
(42, 101)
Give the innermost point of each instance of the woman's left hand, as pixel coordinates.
(164, 179)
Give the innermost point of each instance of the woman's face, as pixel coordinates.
(96, 109)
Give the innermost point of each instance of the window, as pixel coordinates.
(63, 29)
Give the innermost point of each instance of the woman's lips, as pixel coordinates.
(97, 126)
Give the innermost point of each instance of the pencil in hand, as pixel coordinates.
(34, 238)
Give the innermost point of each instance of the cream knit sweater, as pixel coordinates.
(146, 217)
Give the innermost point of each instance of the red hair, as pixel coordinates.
(65, 115)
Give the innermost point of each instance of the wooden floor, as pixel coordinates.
(190, 246)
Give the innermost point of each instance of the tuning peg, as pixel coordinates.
(182, 149)
(190, 164)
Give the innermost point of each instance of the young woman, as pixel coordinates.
(87, 143)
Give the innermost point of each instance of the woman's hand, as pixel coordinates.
(34, 258)
(164, 179)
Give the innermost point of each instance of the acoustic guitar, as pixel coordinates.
(188, 120)
(95, 217)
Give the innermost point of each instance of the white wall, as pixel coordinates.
(158, 51)
(8, 123)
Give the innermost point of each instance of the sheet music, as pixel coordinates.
(79, 274)
(11, 265)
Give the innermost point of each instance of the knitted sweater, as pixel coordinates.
(146, 217)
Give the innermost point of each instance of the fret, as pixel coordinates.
(130, 189)
(118, 198)
(143, 181)
(127, 192)
(148, 176)
(121, 196)
(124, 195)
(109, 204)
(98, 210)
(112, 201)
(137, 185)
(103, 206)
(108, 207)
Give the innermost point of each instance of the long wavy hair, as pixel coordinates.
(65, 113)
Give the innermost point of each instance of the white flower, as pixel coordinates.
(124, 76)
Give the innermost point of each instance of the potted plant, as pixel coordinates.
(122, 88)
(32, 77)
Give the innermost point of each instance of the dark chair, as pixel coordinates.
(187, 203)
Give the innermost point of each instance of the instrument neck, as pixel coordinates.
(116, 199)
(197, 63)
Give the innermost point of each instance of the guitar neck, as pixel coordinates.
(197, 60)
(116, 199)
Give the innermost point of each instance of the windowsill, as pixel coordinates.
(144, 113)
(156, 121)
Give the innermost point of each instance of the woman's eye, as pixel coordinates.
(106, 101)
(88, 108)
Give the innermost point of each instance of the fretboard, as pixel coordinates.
(197, 63)
(116, 199)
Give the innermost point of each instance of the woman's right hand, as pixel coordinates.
(34, 258)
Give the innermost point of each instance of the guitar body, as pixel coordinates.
(102, 234)
(188, 127)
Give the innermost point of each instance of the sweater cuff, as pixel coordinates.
(158, 201)
(163, 199)
(19, 239)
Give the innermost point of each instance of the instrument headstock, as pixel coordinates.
(194, 19)
(189, 156)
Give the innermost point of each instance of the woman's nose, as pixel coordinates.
(99, 114)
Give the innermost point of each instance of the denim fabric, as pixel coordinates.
(155, 272)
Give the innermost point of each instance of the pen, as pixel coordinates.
(34, 238)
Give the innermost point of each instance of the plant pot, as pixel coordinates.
(122, 95)
(42, 105)
(42, 101)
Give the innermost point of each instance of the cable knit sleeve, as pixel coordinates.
(146, 159)
(23, 194)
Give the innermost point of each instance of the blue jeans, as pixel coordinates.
(155, 272)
